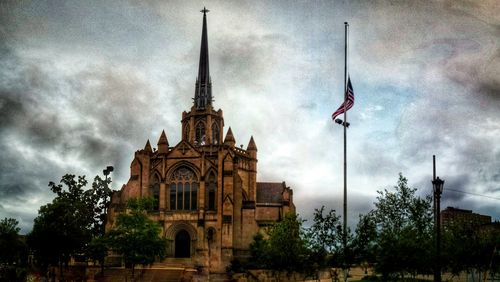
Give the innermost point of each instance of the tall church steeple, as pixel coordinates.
(203, 91)
(202, 125)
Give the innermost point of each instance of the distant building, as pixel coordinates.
(209, 202)
(451, 216)
(491, 228)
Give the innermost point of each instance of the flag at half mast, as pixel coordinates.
(348, 103)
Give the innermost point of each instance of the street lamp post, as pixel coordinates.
(438, 190)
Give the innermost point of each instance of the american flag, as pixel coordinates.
(348, 104)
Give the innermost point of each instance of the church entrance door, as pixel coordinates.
(182, 244)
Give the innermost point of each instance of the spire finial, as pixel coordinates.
(205, 11)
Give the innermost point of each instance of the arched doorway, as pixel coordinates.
(182, 244)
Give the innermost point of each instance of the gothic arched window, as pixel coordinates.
(215, 133)
(200, 134)
(183, 190)
(155, 192)
(211, 198)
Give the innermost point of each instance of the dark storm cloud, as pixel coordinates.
(19, 174)
(457, 183)
(10, 108)
(93, 27)
(54, 122)
(491, 90)
(244, 60)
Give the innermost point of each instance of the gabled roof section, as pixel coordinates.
(270, 192)
(183, 150)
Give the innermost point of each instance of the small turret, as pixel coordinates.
(229, 140)
(252, 148)
(163, 143)
(148, 148)
(251, 145)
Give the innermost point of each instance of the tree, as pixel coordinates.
(97, 250)
(65, 227)
(325, 237)
(136, 237)
(285, 248)
(364, 243)
(467, 248)
(12, 248)
(13, 251)
(325, 233)
(404, 225)
(100, 195)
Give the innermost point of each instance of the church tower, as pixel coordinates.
(203, 126)
(208, 201)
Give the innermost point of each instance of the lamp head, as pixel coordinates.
(438, 185)
(107, 170)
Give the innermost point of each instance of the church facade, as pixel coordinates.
(208, 200)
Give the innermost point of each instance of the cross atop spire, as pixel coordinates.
(203, 91)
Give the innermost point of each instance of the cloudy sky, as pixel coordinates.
(84, 84)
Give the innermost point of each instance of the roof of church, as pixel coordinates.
(270, 192)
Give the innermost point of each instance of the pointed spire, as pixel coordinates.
(163, 138)
(163, 143)
(148, 148)
(203, 91)
(251, 145)
(229, 140)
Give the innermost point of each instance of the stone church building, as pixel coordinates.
(208, 200)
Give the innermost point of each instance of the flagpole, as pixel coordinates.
(344, 238)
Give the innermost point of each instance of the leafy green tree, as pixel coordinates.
(469, 249)
(13, 251)
(258, 252)
(66, 226)
(63, 227)
(326, 240)
(404, 225)
(325, 233)
(364, 242)
(97, 250)
(284, 249)
(100, 198)
(137, 237)
(287, 248)
(100, 195)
